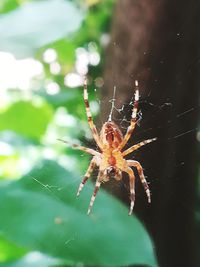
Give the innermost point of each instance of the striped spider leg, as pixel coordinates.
(110, 159)
(136, 164)
(133, 118)
(89, 115)
(82, 148)
(130, 172)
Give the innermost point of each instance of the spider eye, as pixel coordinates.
(111, 171)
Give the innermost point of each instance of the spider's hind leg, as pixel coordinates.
(132, 188)
(138, 166)
(87, 176)
(89, 115)
(96, 189)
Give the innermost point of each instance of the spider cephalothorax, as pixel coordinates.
(110, 157)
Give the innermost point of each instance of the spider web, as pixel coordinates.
(123, 121)
(119, 115)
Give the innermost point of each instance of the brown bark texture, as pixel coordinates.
(157, 43)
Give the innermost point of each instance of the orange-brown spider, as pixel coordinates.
(110, 159)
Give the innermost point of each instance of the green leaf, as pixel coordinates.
(47, 217)
(37, 24)
(27, 118)
(63, 98)
(97, 21)
(8, 5)
(9, 251)
(34, 259)
(65, 49)
(67, 99)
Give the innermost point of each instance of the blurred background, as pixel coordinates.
(46, 48)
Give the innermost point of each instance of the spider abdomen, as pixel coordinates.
(111, 134)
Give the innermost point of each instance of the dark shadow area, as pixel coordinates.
(158, 44)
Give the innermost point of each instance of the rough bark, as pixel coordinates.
(157, 43)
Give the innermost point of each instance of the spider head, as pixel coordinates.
(113, 172)
(111, 134)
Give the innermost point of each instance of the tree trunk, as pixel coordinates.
(157, 43)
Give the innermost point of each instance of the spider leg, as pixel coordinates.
(135, 147)
(133, 118)
(82, 148)
(89, 115)
(132, 188)
(118, 175)
(96, 189)
(136, 164)
(87, 176)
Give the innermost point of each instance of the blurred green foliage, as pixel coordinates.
(75, 236)
(39, 115)
(29, 22)
(42, 223)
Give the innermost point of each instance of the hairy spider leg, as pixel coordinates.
(96, 189)
(138, 166)
(118, 175)
(135, 147)
(82, 148)
(87, 176)
(132, 188)
(133, 118)
(89, 115)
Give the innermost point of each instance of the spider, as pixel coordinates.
(110, 157)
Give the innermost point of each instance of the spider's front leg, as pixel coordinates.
(89, 116)
(82, 148)
(132, 187)
(137, 165)
(133, 118)
(137, 146)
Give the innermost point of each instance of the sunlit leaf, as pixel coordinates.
(9, 250)
(65, 49)
(36, 24)
(47, 217)
(67, 98)
(8, 5)
(63, 98)
(15, 140)
(34, 259)
(96, 23)
(26, 118)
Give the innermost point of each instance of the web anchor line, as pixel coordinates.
(112, 101)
